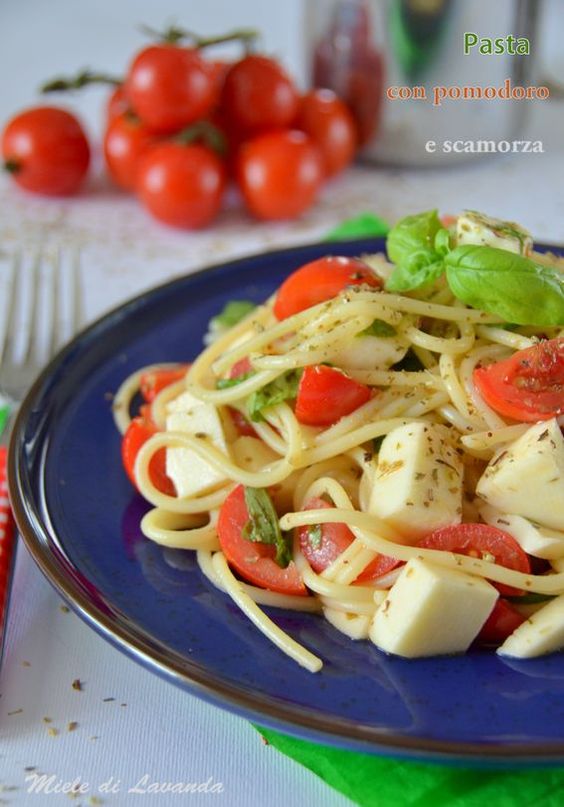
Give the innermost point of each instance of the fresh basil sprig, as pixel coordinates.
(515, 288)
(226, 383)
(232, 313)
(263, 526)
(416, 245)
(283, 388)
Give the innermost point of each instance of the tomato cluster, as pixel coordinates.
(180, 125)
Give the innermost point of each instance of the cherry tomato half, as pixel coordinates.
(330, 124)
(481, 541)
(125, 142)
(326, 394)
(46, 151)
(138, 432)
(500, 624)
(181, 185)
(334, 539)
(254, 561)
(170, 87)
(279, 174)
(529, 385)
(258, 95)
(319, 281)
(154, 381)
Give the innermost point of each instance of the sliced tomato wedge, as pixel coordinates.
(322, 544)
(319, 281)
(139, 431)
(484, 542)
(154, 381)
(254, 561)
(241, 367)
(529, 385)
(500, 624)
(326, 394)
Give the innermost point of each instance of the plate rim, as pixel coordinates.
(191, 677)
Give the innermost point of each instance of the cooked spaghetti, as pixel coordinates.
(349, 445)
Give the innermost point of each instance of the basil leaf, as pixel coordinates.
(413, 234)
(284, 388)
(378, 328)
(416, 245)
(414, 275)
(233, 312)
(263, 526)
(513, 287)
(530, 599)
(314, 536)
(225, 383)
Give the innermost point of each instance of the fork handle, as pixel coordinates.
(7, 543)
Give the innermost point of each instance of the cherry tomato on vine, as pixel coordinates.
(117, 103)
(254, 561)
(481, 541)
(528, 385)
(170, 87)
(330, 124)
(181, 185)
(326, 394)
(138, 432)
(279, 174)
(258, 95)
(125, 142)
(46, 151)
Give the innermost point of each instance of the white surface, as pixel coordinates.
(164, 732)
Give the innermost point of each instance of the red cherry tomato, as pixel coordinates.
(241, 367)
(335, 538)
(527, 386)
(170, 87)
(243, 426)
(125, 142)
(330, 124)
(46, 151)
(117, 103)
(181, 185)
(137, 434)
(279, 174)
(154, 381)
(500, 624)
(252, 560)
(258, 95)
(481, 541)
(319, 281)
(326, 394)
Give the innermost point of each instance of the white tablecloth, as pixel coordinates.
(149, 728)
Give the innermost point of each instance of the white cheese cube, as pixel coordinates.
(418, 482)
(370, 353)
(192, 475)
(477, 228)
(526, 478)
(431, 611)
(542, 633)
(535, 540)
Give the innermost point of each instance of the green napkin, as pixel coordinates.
(372, 781)
(365, 225)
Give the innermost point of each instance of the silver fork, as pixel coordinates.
(19, 370)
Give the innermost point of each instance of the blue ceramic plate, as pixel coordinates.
(79, 518)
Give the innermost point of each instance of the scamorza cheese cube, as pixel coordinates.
(541, 633)
(431, 611)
